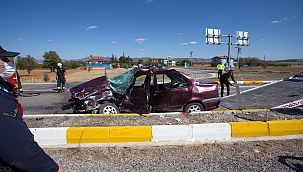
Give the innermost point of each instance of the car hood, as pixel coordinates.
(91, 87)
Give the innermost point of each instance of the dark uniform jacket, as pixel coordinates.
(224, 78)
(60, 72)
(17, 146)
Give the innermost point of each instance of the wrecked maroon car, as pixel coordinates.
(144, 90)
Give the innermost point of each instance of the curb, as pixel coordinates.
(159, 133)
(254, 82)
(251, 82)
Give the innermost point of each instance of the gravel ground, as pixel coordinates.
(249, 155)
(67, 121)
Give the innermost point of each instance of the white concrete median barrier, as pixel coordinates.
(171, 132)
(211, 131)
(50, 136)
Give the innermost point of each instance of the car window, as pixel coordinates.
(170, 81)
(177, 81)
(139, 81)
(163, 81)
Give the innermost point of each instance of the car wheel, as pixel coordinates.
(108, 108)
(193, 107)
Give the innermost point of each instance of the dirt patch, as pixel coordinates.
(73, 75)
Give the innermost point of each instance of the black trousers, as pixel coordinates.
(61, 82)
(220, 73)
(222, 87)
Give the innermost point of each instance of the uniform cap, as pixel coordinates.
(59, 64)
(4, 53)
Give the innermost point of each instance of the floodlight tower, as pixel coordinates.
(213, 36)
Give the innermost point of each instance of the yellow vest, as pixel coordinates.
(220, 66)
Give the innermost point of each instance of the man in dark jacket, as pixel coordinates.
(224, 81)
(18, 149)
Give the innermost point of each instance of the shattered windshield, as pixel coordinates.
(121, 82)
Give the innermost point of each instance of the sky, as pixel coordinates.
(75, 29)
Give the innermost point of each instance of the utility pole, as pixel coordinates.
(239, 52)
(191, 63)
(264, 66)
(228, 52)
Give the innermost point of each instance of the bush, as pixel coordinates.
(46, 77)
(115, 66)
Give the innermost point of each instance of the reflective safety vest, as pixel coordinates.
(220, 66)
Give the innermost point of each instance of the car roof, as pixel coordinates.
(153, 69)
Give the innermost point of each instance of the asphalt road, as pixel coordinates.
(266, 96)
(198, 73)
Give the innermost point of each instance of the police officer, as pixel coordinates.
(224, 81)
(18, 149)
(220, 68)
(60, 77)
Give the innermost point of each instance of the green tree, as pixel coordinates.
(129, 61)
(51, 59)
(26, 63)
(182, 62)
(73, 64)
(122, 59)
(251, 61)
(140, 61)
(161, 61)
(241, 63)
(114, 59)
(30, 64)
(20, 63)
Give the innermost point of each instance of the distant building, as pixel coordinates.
(97, 62)
(155, 60)
(169, 61)
(218, 59)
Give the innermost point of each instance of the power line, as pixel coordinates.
(274, 46)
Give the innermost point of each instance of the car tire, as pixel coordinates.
(108, 108)
(193, 107)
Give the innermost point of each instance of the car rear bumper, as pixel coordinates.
(211, 103)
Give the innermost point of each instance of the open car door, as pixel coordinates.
(140, 93)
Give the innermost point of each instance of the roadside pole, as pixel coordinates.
(239, 97)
